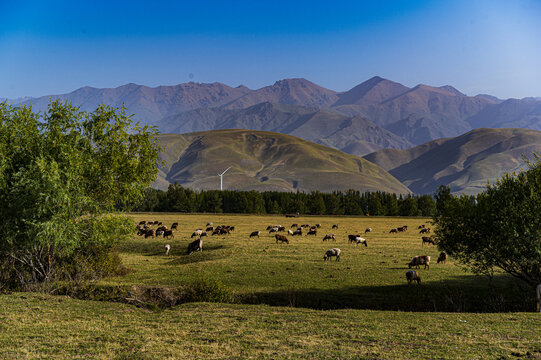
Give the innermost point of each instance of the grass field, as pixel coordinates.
(356, 292)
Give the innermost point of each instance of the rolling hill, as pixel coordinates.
(465, 162)
(266, 161)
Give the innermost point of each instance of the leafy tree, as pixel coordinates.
(317, 204)
(61, 173)
(426, 205)
(499, 228)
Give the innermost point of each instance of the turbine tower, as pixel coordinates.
(222, 178)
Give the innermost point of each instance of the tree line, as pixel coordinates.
(351, 202)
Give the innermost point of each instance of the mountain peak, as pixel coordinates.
(452, 90)
(372, 91)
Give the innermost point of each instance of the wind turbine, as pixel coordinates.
(222, 178)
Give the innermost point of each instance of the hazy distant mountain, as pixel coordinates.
(149, 104)
(373, 91)
(289, 92)
(415, 115)
(266, 161)
(356, 135)
(465, 163)
(524, 113)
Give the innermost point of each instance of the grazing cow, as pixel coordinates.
(359, 240)
(149, 233)
(312, 232)
(167, 248)
(196, 233)
(351, 238)
(168, 234)
(254, 233)
(428, 240)
(420, 260)
(421, 226)
(160, 232)
(412, 275)
(274, 229)
(231, 228)
(209, 224)
(289, 232)
(209, 228)
(294, 225)
(425, 231)
(393, 231)
(318, 226)
(297, 232)
(282, 228)
(401, 229)
(442, 258)
(368, 230)
(174, 226)
(335, 226)
(332, 252)
(196, 245)
(142, 222)
(329, 237)
(281, 238)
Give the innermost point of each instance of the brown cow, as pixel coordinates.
(329, 237)
(420, 260)
(428, 240)
(281, 238)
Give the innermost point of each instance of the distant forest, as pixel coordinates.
(351, 202)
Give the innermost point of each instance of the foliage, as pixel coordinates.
(498, 228)
(351, 202)
(60, 171)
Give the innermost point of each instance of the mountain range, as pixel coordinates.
(416, 115)
(383, 120)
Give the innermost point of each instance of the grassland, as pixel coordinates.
(356, 292)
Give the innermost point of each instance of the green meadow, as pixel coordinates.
(284, 300)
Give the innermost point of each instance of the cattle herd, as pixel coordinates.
(156, 229)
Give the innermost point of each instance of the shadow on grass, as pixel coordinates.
(208, 254)
(461, 294)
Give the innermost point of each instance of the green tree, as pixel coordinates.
(499, 228)
(62, 174)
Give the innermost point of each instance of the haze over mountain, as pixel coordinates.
(262, 161)
(465, 163)
(148, 104)
(356, 135)
(416, 115)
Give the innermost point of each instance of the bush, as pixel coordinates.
(60, 172)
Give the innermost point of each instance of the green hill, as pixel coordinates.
(263, 160)
(465, 162)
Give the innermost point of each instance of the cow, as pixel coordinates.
(281, 238)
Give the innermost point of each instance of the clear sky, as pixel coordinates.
(478, 46)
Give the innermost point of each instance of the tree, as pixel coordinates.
(499, 228)
(62, 174)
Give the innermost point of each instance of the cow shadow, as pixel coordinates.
(459, 294)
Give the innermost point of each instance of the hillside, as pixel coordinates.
(465, 163)
(266, 161)
(356, 136)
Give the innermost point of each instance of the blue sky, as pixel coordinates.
(478, 46)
